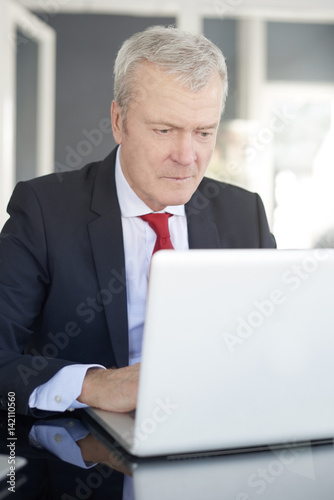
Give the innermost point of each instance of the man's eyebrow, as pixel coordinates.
(206, 127)
(162, 123)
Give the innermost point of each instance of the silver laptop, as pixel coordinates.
(238, 352)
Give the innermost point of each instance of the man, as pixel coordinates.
(75, 253)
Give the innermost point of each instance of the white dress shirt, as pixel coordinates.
(61, 391)
(139, 240)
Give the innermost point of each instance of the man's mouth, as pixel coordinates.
(178, 179)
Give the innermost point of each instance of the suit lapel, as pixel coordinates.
(106, 237)
(202, 232)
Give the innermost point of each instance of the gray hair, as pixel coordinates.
(192, 59)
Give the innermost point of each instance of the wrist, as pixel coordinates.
(89, 385)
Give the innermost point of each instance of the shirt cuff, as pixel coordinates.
(59, 437)
(62, 390)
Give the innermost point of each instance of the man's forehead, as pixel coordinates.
(160, 98)
(151, 73)
(152, 78)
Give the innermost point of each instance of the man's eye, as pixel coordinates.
(205, 134)
(164, 131)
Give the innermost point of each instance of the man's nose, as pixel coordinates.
(184, 150)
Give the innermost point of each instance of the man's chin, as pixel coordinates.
(179, 195)
(179, 200)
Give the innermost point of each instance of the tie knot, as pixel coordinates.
(159, 224)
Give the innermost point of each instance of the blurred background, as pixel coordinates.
(276, 136)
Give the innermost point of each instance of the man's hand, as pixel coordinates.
(113, 389)
(92, 450)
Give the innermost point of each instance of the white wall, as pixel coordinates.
(271, 9)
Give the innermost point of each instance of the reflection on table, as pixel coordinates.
(69, 459)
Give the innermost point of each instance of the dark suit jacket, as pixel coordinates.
(62, 271)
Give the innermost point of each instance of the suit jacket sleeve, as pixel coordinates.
(62, 280)
(24, 281)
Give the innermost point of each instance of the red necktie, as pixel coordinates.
(159, 224)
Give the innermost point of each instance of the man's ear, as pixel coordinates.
(116, 122)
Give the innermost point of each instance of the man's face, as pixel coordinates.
(169, 136)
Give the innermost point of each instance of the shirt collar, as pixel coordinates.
(130, 203)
